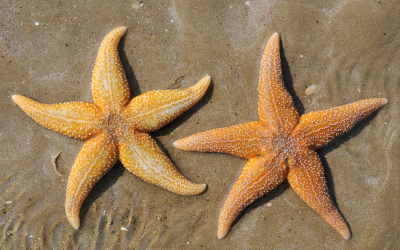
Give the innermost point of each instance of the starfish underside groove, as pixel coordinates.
(280, 146)
(117, 127)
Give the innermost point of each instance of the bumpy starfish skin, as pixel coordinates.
(279, 146)
(116, 128)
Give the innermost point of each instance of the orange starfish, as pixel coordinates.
(280, 146)
(116, 126)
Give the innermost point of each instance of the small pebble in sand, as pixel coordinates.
(248, 3)
(311, 89)
(124, 229)
(135, 6)
(8, 202)
(269, 204)
(36, 23)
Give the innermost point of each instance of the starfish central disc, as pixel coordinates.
(115, 125)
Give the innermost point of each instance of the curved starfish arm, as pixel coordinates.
(110, 89)
(258, 176)
(243, 140)
(275, 106)
(154, 109)
(96, 157)
(306, 176)
(141, 155)
(318, 128)
(75, 119)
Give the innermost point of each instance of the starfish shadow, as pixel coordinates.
(167, 129)
(166, 152)
(107, 181)
(334, 144)
(263, 200)
(135, 91)
(288, 81)
(130, 76)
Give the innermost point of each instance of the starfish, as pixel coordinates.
(117, 127)
(280, 146)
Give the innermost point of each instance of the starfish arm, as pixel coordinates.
(306, 176)
(141, 155)
(243, 140)
(318, 128)
(275, 106)
(75, 119)
(96, 157)
(110, 88)
(152, 110)
(258, 176)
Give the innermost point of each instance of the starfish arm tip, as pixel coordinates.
(182, 144)
(203, 84)
(377, 103)
(191, 189)
(186, 187)
(222, 231)
(345, 233)
(121, 28)
(207, 79)
(274, 37)
(17, 99)
(75, 226)
(72, 216)
(384, 101)
(177, 144)
(201, 188)
(220, 236)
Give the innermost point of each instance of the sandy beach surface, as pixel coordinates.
(345, 50)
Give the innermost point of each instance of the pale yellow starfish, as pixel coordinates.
(116, 126)
(280, 146)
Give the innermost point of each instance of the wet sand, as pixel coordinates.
(348, 50)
